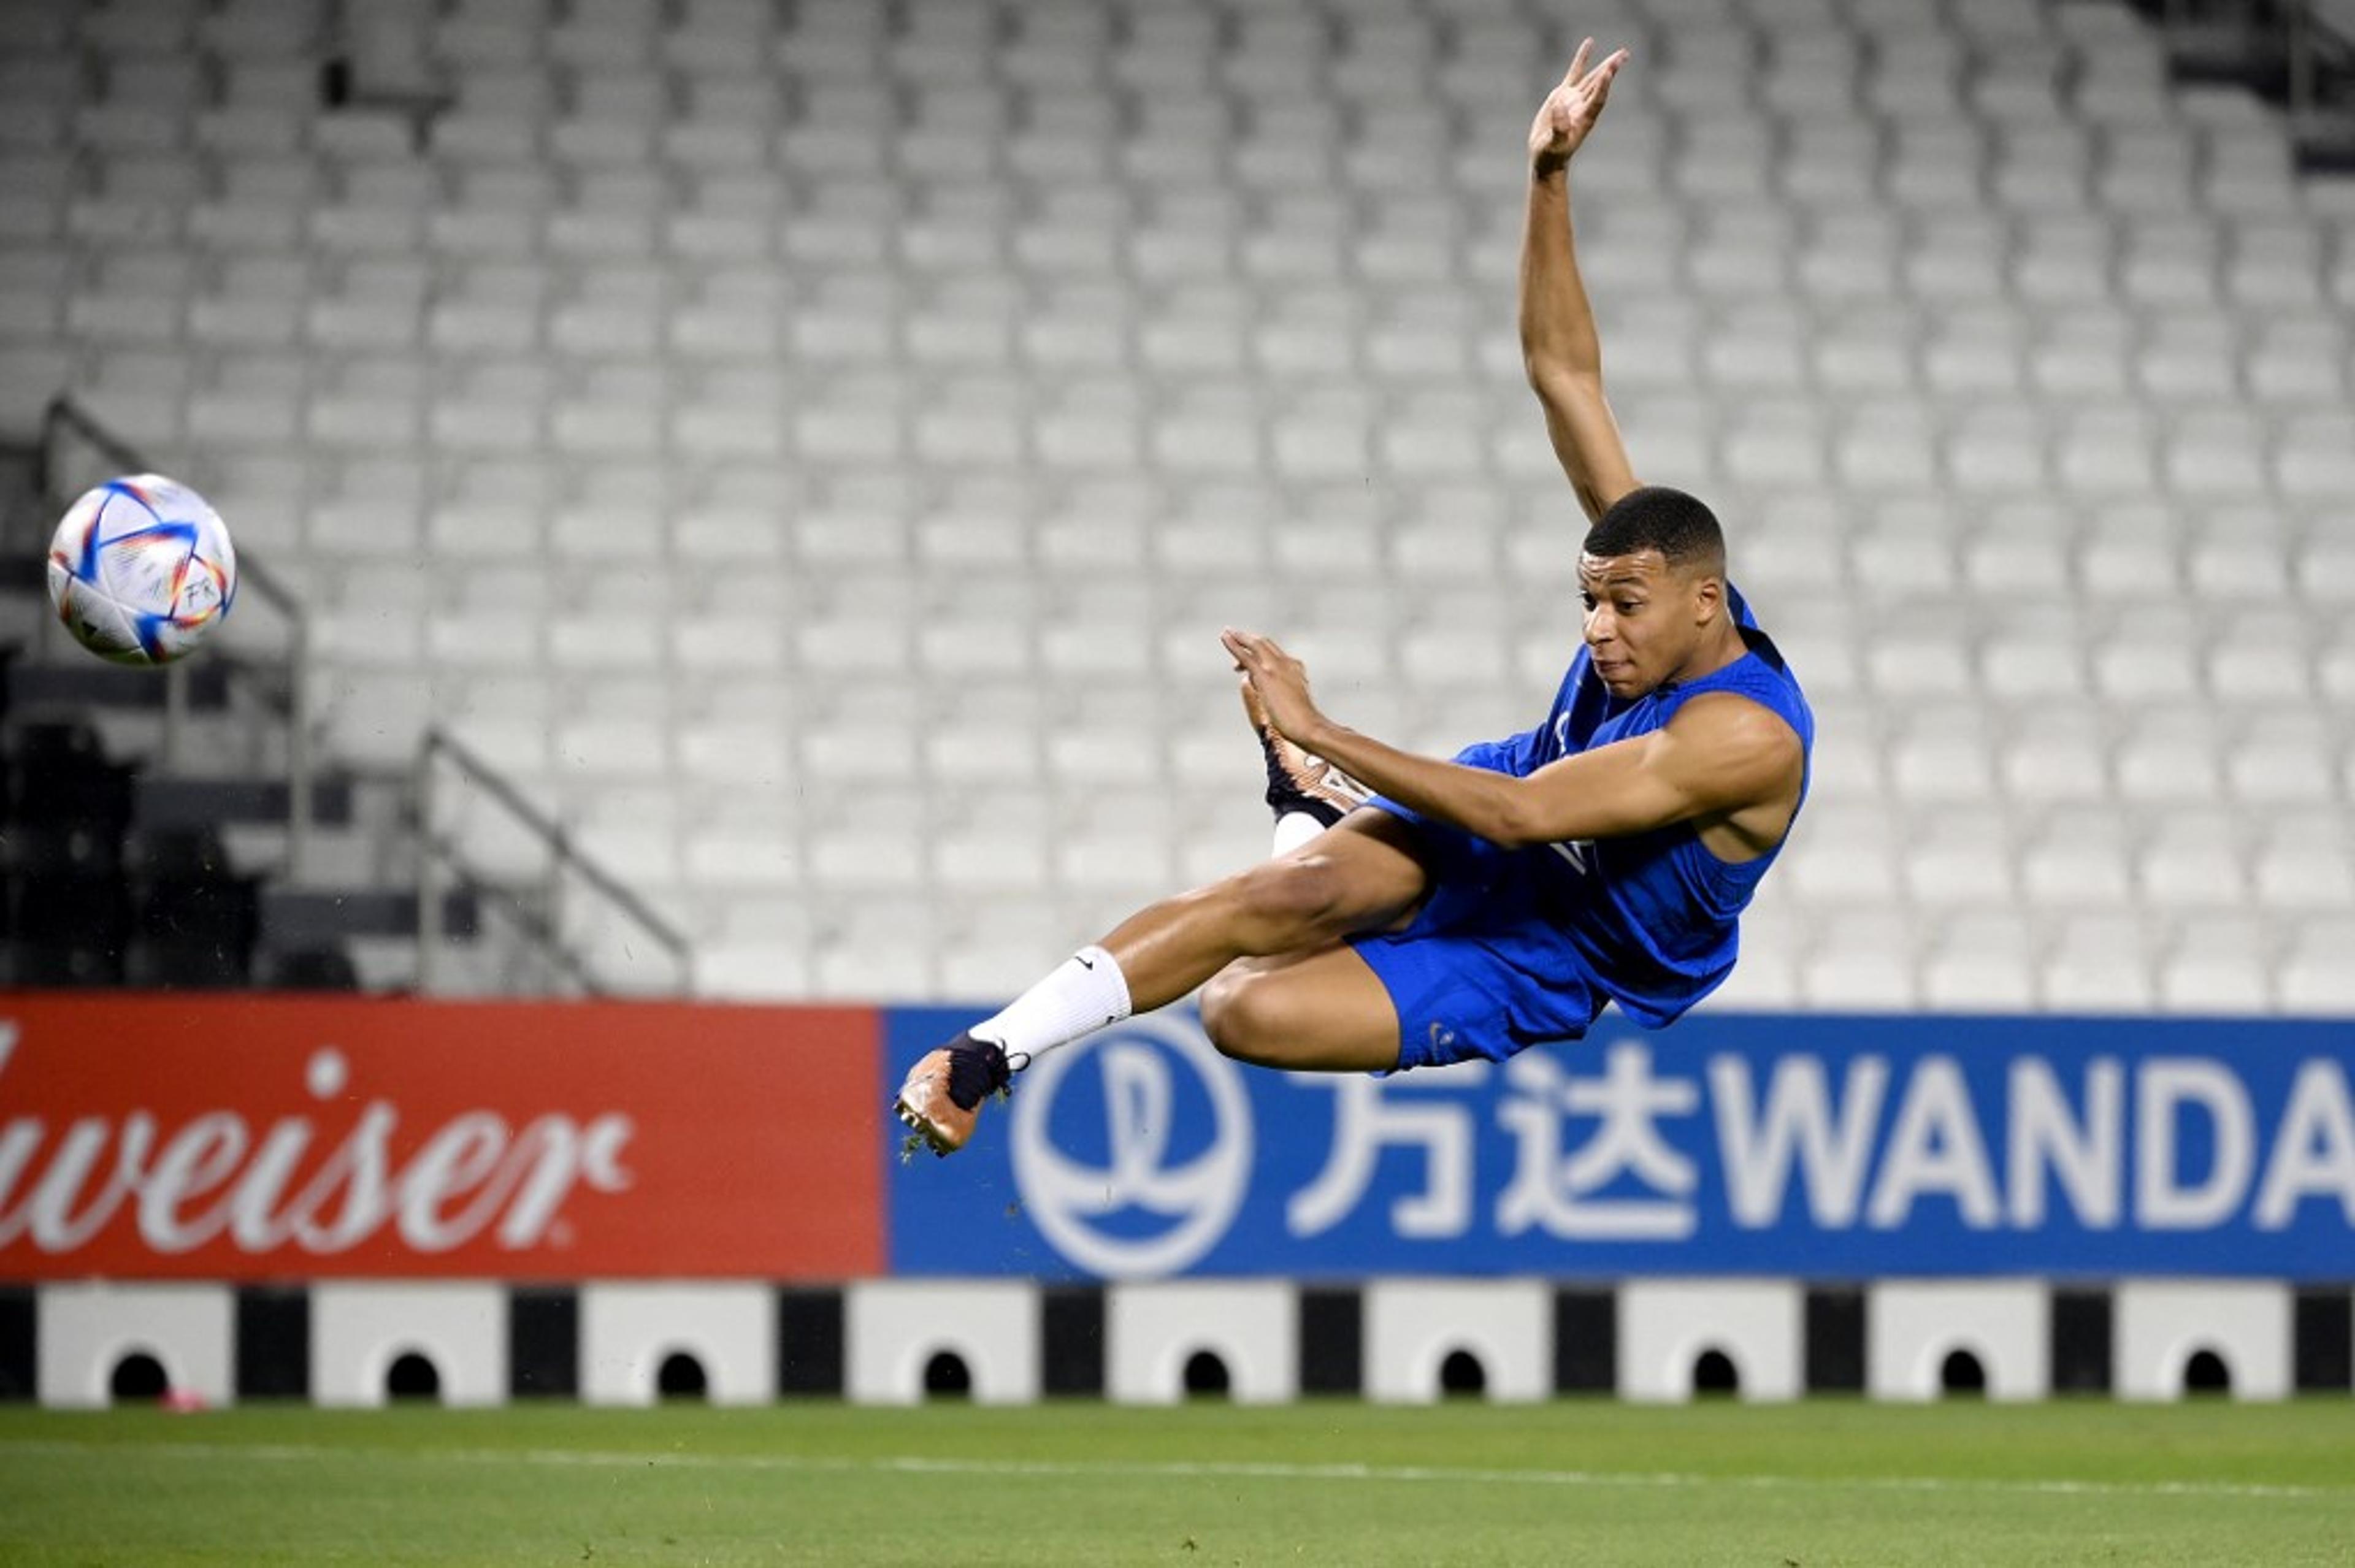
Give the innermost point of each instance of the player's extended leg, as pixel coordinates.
(1362, 875)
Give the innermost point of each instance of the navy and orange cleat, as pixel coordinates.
(942, 1097)
(1297, 780)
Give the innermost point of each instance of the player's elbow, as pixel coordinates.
(1560, 379)
(1517, 821)
(1543, 367)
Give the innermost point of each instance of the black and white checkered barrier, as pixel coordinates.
(902, 1341)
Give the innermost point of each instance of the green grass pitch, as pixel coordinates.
(1812, 1483)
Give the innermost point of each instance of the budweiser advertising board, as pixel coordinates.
(264, 1137)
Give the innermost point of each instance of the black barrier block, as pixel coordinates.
(2323, 1344)
(2081, 1341)
(809, 1342)
(544, 1340)
(273, 1342)
(1585, 1341)
(18, 1350)
(1071, 1340)
(1834, 1339)
(1332, 1340)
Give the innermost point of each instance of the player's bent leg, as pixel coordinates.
(1321, 1012)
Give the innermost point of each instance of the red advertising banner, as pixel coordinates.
(270, 1137)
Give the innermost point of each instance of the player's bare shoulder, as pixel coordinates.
(1744, 763)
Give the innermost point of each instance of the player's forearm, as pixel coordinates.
(1558, 335)
(1493, 805)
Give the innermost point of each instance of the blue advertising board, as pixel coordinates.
(1826, 1146)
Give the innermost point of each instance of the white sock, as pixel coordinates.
(1084, 994)
(1293, 829)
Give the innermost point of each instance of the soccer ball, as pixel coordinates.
(140, 569)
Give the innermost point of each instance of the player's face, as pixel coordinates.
(1643, 620)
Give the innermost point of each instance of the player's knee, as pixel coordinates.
(1239, 1015)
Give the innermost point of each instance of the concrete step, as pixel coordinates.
(2228, 50)
(311, 917)
(212, 745)
(175, 802)
(476, 969)
(332, 857)
(2326, 144)
(25, 618)
(87, 683)
(386, 964)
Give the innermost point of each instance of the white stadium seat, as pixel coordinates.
(1962, 858)
(2081, 859)
(2097, 963)
(1981, 961)
(1862, 961)
(2194, 861)
(2169, 757)
(2314, 976)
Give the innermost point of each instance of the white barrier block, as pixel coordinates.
(894, 1328)
(1413, 1327)
(84, 1331)
(628, 1331)
(1666, 1325)
(358, 1329)
(2162, 1324)
(1151, 1331)
(1913, 1325)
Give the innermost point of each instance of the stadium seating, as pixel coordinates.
(855, 435)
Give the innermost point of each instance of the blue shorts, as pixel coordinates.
(1482, 972)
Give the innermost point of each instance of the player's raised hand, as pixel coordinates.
(1278, 682)
(1573, 106)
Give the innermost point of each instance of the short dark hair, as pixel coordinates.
(1654, 516)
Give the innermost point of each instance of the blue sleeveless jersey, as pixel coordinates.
(1651, 916)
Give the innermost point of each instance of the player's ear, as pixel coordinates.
(1708, 597)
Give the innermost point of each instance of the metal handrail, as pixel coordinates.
(64, 414)
(564, 855)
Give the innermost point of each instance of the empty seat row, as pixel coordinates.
(980, 946)
(1875, 959)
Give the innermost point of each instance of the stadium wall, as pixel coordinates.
(287, 1197)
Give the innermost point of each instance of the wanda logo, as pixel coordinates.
(323, 1182)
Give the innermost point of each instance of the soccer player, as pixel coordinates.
(1475, 907)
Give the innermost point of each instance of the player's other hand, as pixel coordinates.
(1279, 683)
(1572, 109)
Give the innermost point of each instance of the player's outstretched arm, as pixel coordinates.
(1559, 348)
(1723, 757)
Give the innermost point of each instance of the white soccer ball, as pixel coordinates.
(140, 569)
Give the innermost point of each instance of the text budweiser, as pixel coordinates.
(312, 1182)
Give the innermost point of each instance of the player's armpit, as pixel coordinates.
(1722, 754)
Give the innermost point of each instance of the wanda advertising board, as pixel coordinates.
(255, 1138)
(1796, 1145)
